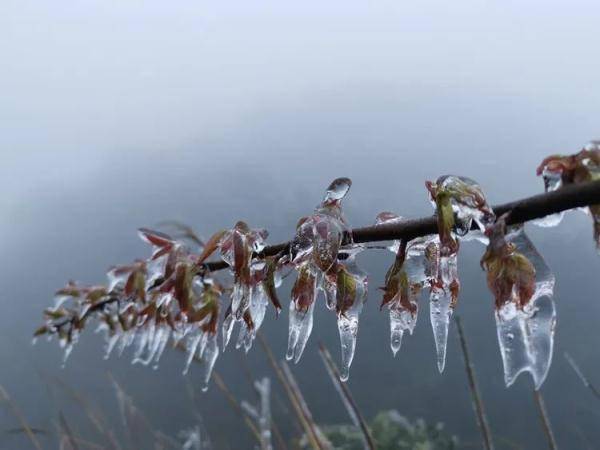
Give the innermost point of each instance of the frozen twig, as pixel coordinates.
(524, 210)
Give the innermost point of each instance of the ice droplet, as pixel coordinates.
(337, 190)
(401, 320)
(526, 336)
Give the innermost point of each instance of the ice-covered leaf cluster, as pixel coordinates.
(459, 202)
(403, 283)
(325, 262)
(169, 297)
(564, 170)
(523, 287)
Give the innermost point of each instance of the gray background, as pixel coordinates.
(115, 115)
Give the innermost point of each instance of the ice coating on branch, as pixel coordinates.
(385, 218)
(523, 287)
(564, 170)
(458, 201)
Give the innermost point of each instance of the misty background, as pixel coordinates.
(116, 115)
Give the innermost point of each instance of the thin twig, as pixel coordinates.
(20, 417)
(539, 401)
(482, 421)
(524, 210)
(313, 438)
(314, 428)
(66, 430)
(220, 382)
(347, 399)
(276, 432)
(581, 376)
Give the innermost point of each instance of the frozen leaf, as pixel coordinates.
(563, 170)
(269, 283)
(162, 243)
(525, 314)
(351, 294)
(211, 246)
(301, 312)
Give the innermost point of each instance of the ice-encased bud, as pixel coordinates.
(468, 202)
(526, 335)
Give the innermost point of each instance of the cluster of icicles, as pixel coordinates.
(173, 297)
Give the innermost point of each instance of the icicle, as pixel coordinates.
(209, 357)
(440, 312)
(351, 295)
(526, 336)
(258, 308)
(301, 323)
(191, 346)
(227, 327)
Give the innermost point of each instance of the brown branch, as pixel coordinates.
(524, 210)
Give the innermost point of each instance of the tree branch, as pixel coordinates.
(524, 210)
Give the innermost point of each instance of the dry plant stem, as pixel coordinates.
(524, 210)
(66, 430)
(344, 391)
(235, 405)
(20, 417)
(297, 393)
(220, 382)
(276, 433)
(95, 417)
(581, 376)
(539, 401)
(306, 426)
(484, 426)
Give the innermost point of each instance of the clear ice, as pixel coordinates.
(459, 201)
(403, 316)
(314, 253)
(348, 315)
(526, 336)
